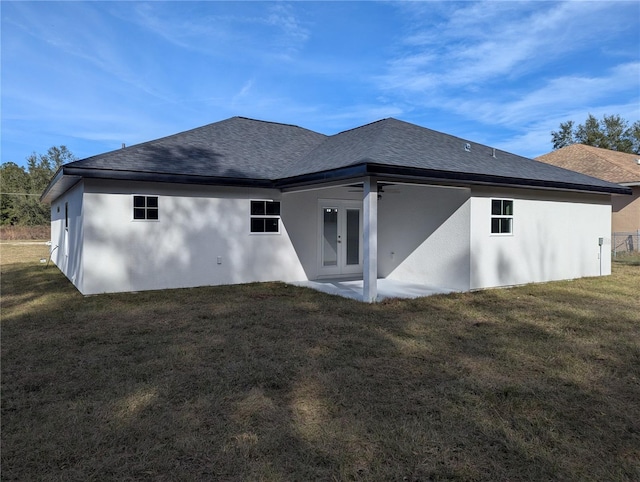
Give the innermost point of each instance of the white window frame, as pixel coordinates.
(146, 208)
(264, 216)
(502, 216)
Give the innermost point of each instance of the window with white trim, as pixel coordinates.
(265, 216)
(145, 207)
(502, 216)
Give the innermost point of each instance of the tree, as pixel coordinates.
(612, 132)
(14, 182)
(21, 188)
(564, 137)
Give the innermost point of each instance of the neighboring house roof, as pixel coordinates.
(241, 151)
(613, 166)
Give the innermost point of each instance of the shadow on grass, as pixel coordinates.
(273, 382)
(22, 284)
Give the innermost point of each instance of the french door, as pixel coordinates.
(340, 238)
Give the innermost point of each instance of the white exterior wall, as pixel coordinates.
(196, 226)
(435, 236)
(555, 236)
(67, 243)
(423, 236)
(300, 213)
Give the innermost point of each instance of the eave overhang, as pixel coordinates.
(67, 177)
(450, 178)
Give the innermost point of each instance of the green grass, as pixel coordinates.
(274, 382)
(632, 259)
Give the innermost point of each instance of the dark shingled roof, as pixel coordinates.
(236, 148)
(241, 151)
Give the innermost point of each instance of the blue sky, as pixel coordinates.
(94, 75)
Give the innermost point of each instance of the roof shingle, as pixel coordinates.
(612, 166)
(240, 150)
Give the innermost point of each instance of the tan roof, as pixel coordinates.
(613, 166)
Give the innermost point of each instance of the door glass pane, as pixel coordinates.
(330, 237)
(353, 236)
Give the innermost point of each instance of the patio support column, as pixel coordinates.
(370, 221)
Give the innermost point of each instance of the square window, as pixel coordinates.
(145, 207)
(265, 216)
(501, 216)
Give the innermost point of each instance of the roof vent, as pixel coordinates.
(123, 146)
(638, 161)
(467, 147)
(493, 154)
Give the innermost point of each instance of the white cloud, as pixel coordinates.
(292, 34)
(517, 69)
(253, 30)
(487, 41)
(555, 98)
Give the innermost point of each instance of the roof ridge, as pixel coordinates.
(378, 138)
(187, 131)
(360, 127)
(143, 143)
(270, 122)
(596, 152)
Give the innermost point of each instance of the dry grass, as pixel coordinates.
(24, 251)
(12, 233)
(273, 382)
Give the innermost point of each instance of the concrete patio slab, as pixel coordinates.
(386, 288)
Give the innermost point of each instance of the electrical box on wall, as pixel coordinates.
(219, 260)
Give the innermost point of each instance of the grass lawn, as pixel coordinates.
(274, 382)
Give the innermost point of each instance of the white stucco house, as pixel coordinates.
(243, 200)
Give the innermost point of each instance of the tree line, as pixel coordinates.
(21, 187)
(611, 132)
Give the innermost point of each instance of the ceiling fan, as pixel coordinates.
(382, 188)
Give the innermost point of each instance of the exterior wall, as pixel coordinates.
(67, 234)
(202, 237)
(555, 236)
(430, 235)
(424, 236)
(626, 212)
(300, 214)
